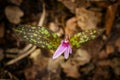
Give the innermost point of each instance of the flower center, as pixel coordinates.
(65, 44)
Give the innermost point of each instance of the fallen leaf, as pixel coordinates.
(110, 17)
(53, 27)
(13, 14)
(54, 65)
(71, 26)
(81, 57)
(70, 69)
(87, 19)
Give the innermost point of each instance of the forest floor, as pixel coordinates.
(97, 59)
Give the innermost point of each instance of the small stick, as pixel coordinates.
(21, 56)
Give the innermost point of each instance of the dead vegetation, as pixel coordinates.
(95, 60)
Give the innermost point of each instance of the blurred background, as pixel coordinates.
(98, 59)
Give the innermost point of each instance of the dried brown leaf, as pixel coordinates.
(87, 19)
(110, 17)
(70, 69)
(13, 14)
(81, 57)
(71, 26)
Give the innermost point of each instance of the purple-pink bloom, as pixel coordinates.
(65, 48)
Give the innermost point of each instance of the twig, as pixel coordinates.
(26, 48)
(42, 18)
(16, 50)
(21, 56)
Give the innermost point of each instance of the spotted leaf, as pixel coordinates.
(39, 36)
(82, 37)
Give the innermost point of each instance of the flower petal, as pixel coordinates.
(66, 53)
(70, 49)
(59, 51)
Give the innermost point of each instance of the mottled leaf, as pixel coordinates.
(84, 36)
(39, 36)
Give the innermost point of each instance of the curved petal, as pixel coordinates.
(66, 53)
(59, 51)
(70, 49)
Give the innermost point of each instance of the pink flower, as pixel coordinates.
(65, 48)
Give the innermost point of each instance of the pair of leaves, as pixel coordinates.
(44, 38)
